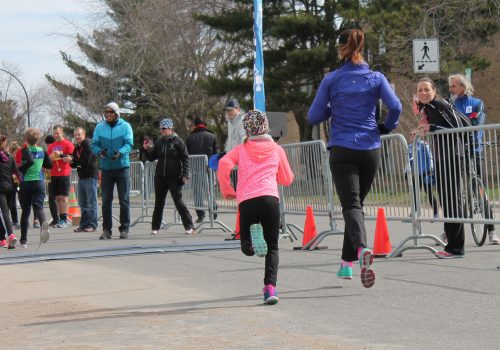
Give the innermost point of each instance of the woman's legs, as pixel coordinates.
(353, 173)
(161, 189)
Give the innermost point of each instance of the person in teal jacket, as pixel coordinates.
(112, 142)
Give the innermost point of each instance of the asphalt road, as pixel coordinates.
(212, 299)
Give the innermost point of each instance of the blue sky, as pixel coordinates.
(32, 32)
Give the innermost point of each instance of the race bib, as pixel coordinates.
(468, 109)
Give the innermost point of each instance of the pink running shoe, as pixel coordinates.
(446, 255)
(270, 295)
(12, 241)
(367, 273)
(3, 243)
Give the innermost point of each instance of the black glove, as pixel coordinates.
(116, 155)
(383, 130)
(102, 153)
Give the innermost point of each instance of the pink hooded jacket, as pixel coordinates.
(262, 165)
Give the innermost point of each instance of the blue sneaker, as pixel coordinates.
(345, 272)
(367, 273)
(259, 244)
(63, 224)
(270, 295)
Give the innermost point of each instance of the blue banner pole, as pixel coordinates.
(259, 96)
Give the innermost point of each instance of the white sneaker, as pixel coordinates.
(444, 238)
(493, 238)
(190, 231)
(154, 232)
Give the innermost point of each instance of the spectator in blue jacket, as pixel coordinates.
(112, 142)
(461, 91)
(348, 97)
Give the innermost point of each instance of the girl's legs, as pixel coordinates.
(263, 210)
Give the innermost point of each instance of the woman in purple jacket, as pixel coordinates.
(348, 96)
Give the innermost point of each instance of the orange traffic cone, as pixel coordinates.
(237, 228)
(236, 235)
(309, 228)
(382, 243)
(74, 213)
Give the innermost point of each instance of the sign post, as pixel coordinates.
(426, 55)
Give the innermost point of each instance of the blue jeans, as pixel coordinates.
(87, 199)
(120, 177)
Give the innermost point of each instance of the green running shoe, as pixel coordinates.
(345, 272)
(258, 242)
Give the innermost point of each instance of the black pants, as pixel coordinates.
(7, 228)
(52, 203)
(264, 210)
(31, 194)
(174, 185)
(448, 185)
(11, 201)
(353, 172)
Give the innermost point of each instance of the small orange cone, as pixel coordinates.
(309, 228)
(236, 235)
(74, 209)
(382, 242)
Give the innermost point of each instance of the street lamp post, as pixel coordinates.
(25, 93)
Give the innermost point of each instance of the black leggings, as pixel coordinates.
(7, 224)
(174, 185)
(353, 172)
(266, 211)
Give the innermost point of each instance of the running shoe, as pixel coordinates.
(11, 241)
(23, 243)
(36, 224)
(190, 231)
(44, 232)
(493, 238)
(270, 294)
(447, 255)
(367, 273)
(259, 244)
(3, 243)
(345, 272)
(154, 232)
(106, 234)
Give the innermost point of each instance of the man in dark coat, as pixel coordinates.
(201, 141)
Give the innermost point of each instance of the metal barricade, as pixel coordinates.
(312, 186)
(137, 191)
(390, 188)
(466, 177)
(197, 194)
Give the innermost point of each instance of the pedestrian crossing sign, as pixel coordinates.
(426, 55)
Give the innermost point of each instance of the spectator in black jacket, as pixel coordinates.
(172, 171)
(85, 163)
(201, 141)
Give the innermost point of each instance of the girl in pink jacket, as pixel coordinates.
(262, 165)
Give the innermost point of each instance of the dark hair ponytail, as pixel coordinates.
(351, 44)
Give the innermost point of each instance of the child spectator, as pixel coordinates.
(32, 190)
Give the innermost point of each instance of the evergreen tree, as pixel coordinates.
(300, 37)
